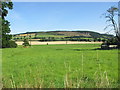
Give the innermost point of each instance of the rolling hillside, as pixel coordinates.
(74, 34)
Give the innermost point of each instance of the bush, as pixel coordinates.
(112, 41)
(26, 43)
(12, 44)
(105, 45)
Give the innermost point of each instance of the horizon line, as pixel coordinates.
(60, 30)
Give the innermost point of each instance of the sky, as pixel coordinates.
(54, 16)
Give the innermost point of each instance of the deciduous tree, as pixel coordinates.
(110, 16)
(5, 37)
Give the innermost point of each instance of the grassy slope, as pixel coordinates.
(51, 36)
(60, 66)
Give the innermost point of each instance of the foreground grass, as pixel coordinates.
(60, 66)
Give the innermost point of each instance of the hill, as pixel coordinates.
(74, 34)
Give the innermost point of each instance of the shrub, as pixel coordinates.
(12, 44)
(112, 41)
(26, 43)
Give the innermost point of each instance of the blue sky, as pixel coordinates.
(49, 16)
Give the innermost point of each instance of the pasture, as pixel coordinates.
(60, 66)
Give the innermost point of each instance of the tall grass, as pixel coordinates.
(59, 66)
(100, 79)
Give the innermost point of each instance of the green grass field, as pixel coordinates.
(60, 66)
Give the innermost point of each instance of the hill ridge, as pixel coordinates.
(58, 33)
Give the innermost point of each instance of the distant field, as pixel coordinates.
(57, 42)
(59, 66)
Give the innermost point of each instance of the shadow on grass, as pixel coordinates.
(111, 48)
(81, 49)
(59, 49)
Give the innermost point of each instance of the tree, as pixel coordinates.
(5, 37)
(26, 43)
(110, 16)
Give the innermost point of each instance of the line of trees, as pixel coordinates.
(61, 39)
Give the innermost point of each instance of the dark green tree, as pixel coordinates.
(26, 43)
(5, 37)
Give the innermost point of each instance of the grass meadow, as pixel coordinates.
(60, 66)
